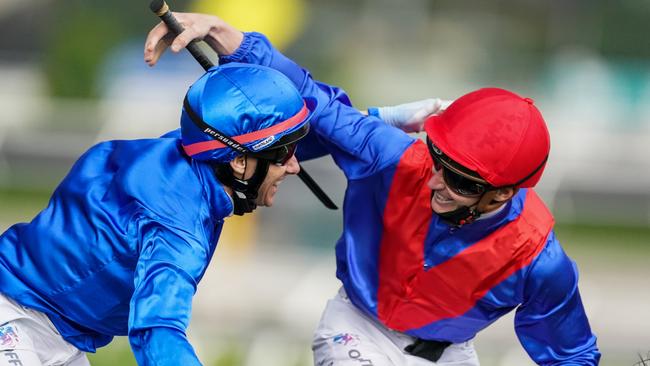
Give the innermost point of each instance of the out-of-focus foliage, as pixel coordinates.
(76, 51)
(83, 33)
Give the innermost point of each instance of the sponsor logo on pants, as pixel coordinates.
(352, 341)
(8, 337)
(12, 358)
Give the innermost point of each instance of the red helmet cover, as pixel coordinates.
(495, 133)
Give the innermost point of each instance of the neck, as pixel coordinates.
(492, 212)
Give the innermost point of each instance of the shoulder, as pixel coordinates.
(552, 274)
(533, 212)
(417, 155)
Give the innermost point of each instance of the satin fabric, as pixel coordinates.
(250, 103)
(120, 248)
(550, 320)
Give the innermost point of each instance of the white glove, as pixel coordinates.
(409, 117)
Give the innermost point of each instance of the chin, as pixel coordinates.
(439, 209)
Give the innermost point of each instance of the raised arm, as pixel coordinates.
(225, 40)
(360, 145)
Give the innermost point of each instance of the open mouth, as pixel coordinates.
(441, 199)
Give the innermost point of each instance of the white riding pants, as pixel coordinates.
(28, 338)
(346, 336)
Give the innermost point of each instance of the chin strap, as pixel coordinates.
(466, 214)
(460, 216)
(245, 191)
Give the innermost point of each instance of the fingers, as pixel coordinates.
(156, 43)
(224, 38)
(160, 38)
(183, 39)
(196, 27)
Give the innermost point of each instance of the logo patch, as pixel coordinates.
(264, 143)
(8, 336)
(346, 339)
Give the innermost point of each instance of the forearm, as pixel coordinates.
(360, 145)
(255, 48)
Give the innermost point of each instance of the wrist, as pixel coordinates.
(374, 111)
(223, 38)
(241, 52)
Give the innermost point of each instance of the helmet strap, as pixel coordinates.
(245, 191)
(466, 214)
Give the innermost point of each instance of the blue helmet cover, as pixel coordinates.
(238, 99)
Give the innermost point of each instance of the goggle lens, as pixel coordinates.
(462, 185)
(279, 155)
(457, 183)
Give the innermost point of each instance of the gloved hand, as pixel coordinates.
(409, 117)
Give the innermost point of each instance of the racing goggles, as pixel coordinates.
(460, 180)
(284, 149)
(278, 156)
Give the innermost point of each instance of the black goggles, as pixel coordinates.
(283, 149)
(458, 183)
(279, 155)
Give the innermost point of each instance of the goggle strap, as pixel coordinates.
(483, 201)
(540, 166)
(209, 130)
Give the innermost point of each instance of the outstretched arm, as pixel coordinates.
(360, 145)
(224, 39)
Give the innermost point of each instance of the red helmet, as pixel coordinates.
(495, 133)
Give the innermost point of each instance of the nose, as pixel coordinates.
(436, 182)
(292, 166)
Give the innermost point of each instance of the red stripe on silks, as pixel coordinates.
(406, 222)
(409, 297)
(293, 121)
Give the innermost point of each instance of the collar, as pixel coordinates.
(221, 204)
(493, 213)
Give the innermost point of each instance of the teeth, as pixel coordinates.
(441, 199)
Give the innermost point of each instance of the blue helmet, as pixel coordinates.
(242, 109)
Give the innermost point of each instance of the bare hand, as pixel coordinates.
(219, 35)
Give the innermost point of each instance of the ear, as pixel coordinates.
(238, 165)
(504, 194)
(495, 199)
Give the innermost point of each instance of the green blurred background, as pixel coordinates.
(71, 74)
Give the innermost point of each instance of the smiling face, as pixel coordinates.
(444, 199)
(274, 177)
(244, 168)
